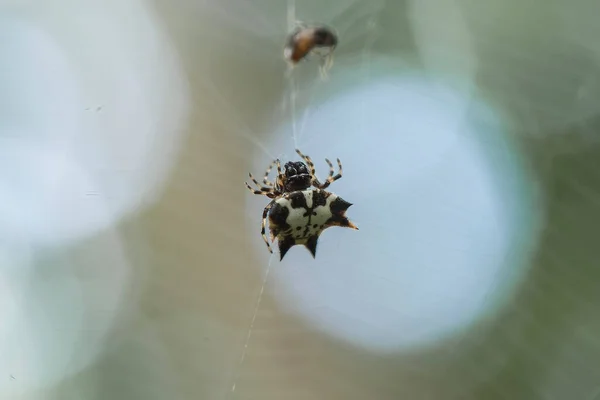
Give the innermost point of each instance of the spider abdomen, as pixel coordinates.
(299, 217)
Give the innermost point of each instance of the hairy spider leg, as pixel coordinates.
(330, 179)
(266, 191)
(259, 185)
(266, 180)
(254, 191)
(279, 181)
(308, 162)
(331, 170)
(263, 225)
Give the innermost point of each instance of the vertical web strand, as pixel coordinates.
(293, 110)
(291, 19)
(251, 327)
(291, 23)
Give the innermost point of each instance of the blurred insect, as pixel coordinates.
(300, 209)
(305, 40)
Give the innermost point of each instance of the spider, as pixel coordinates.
(304, 40)
(300, 209)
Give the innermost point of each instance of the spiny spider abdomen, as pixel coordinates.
(298, 218)
(300, 209)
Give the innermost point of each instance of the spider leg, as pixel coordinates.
(263, 188)
(264, 225)
(279, 180)
(266, 180)
(331, 170)
(311, 165)
(308, 162)
(331, 178)
(266, 191)
(340, 171)
(254, 191)
(313, 173)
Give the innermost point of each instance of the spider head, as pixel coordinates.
(296, 176)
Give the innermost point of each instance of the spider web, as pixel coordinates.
(294, 119)
(288, 110)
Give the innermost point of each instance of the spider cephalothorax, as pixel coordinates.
(296, 177)
(301, 209)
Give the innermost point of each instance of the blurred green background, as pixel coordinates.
(156, 295)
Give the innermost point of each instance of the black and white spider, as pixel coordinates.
(300, 209)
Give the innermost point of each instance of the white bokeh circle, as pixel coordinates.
(439, 197)
(94, 105)
(94, 108)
